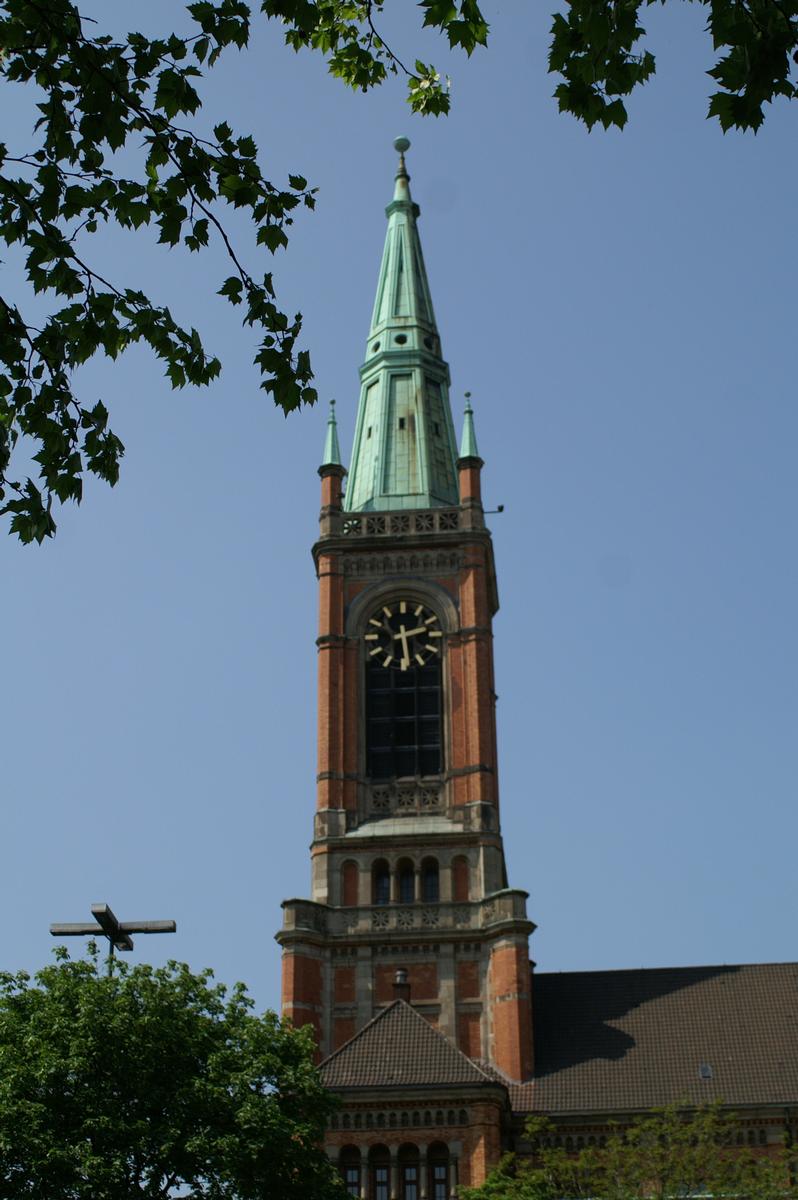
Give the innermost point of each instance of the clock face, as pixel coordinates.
(402, 634)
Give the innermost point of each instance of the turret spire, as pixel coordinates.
(468, 442)
(404, 452)
(332, 451)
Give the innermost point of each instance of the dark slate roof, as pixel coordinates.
(609, 1041)
(398, 1048)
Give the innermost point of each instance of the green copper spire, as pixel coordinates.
(404, 451)
(332, 451)
(468, 442)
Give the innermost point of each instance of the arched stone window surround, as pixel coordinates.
(424, 591)
(433, 596)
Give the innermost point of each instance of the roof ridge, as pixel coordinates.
(685, 967)
(362, 1030)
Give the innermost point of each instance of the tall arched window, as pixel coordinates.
(438, 1168)
(430, 888)
(409, 1171)
(380, 882)
(379, 1172)
(349, 1166)
(403, 719)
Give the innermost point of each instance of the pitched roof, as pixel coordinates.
(399, 1048)
(627, 1040)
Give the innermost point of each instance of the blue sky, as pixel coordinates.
(622, 308)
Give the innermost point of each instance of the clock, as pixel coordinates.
(402, 634)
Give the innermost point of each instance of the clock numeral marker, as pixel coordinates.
(372, 637)
(375, 650)
(429, 620)
(387, 610)
(434, 633)
(417, 612)
(388, 660)
(374, 621)
(403, 606)
(434, 649)
(420, 659)
(404, 664)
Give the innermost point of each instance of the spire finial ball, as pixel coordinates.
(401, 144)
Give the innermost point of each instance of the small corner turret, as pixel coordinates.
(332, 472)
(469, 468)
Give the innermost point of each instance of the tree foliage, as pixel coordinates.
(670, 1152)
(596, 48)
(117, 142)
(153, 1083)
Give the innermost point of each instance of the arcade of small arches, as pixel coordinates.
(407, 880)
(404, 1119)
(569, 1142)
(407, 1172)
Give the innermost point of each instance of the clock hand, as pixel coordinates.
(402, 636)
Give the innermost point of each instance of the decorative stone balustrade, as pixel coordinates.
(420, 918)
(360, 525)
(405, 799)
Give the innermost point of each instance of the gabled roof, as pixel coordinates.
(399, 1048)
(614, 1041)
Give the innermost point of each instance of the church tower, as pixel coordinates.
(410, 906)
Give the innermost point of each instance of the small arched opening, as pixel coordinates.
(380, 882)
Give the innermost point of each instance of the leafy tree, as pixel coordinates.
(669, 1152)
(154, 1083)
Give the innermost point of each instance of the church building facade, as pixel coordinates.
(410, 959)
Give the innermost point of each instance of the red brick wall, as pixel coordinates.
(511, 1011)
(468, 981)
(343, 1030)
(344, 985)
(422, 977)
(469, 1034)
(301, 979)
